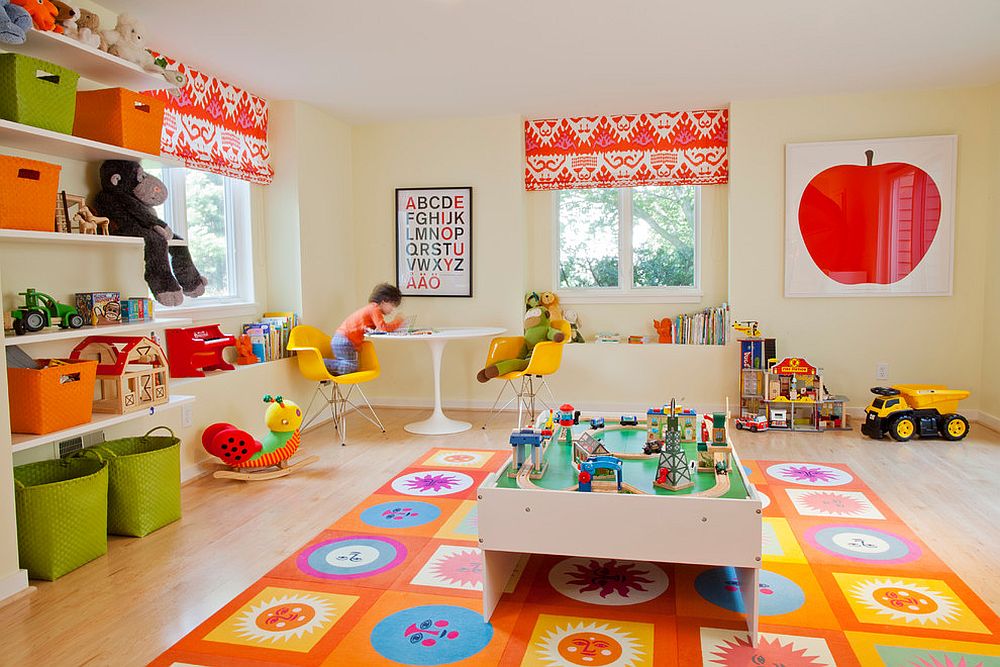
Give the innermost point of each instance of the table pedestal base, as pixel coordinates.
(438, 424)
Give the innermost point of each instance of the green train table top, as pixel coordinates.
(560, 473)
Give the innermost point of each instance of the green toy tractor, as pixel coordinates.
(38, 312)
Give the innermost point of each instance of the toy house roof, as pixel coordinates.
(123, 351)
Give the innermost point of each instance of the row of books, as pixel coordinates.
(269, 336)
(708, 327)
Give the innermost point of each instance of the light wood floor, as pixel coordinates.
(126, 608)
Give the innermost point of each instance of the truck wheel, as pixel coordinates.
(739, 426)
(954, 427)
(34, 321)
(903, 429)
(74, 320)
(19, 327)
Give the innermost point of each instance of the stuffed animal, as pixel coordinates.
(87, 29)
(536, 330)
(574, 325)
(43, 13)
(531, 300)
(665, 328)
(128, 41)
(127, 197)
(66, 14)
(15, 22)
(551, 302)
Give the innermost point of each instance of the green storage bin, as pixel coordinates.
(62, 515)
(144, 482)
(36, 92)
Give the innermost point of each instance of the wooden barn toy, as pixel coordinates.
(131, 372)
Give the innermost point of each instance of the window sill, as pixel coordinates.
(615, 296)
(209, 311)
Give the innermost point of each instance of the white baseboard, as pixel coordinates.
(12, 584)
(602, 409)
(991, 422)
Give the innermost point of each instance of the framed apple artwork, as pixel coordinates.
(870, 218)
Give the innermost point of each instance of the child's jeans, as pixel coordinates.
(346, 357)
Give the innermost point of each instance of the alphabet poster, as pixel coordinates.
(434, 241)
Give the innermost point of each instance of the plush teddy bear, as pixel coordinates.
(551, 302)
(43, 13)
(536, 330)
(15, 22)
(66, 15)
(87, 29)
(127, 41)
(127, 197)
(574, 325)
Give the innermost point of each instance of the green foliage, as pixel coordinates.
(663, 238)
(206, 229)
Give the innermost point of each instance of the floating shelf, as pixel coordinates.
(39, 140)
(104, 330)
(26, 236)
(88, 62)
(22, 441)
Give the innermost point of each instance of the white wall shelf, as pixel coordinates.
(22, 441)
(39, 140)
(104, 330)
(88, 62)
(89, 240)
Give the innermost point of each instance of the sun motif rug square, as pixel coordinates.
(398, 579)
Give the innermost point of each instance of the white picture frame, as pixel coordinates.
(931, 276)
(434, 241)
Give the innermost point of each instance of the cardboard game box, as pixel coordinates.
(99, 307)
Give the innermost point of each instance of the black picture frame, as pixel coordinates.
(402, 272)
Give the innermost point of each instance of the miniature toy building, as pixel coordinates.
(590, 471)
(755, 356)
(796, 395)
(131, 372)
(673, 471)
(587, 446)
(194, 350)
(521, 439)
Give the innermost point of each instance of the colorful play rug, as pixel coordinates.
(397, 582)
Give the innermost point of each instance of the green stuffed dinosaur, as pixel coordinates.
(537, 329)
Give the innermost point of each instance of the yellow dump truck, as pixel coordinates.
(906, 410)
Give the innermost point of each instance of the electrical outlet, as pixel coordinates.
(882, 371)
(187, 415)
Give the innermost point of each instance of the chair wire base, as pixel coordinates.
(527, 397)
(340, 404)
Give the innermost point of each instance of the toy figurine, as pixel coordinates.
(88, 223)
(244, 351)
(665, 329)
(38, 312)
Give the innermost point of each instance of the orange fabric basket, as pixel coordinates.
(50, 399)
(121, 117)
(28, 194)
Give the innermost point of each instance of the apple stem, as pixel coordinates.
(870, 154)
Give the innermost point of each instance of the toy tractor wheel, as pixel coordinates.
(903, 429)
(33, 321)
(74, 320)
(19, 327)
(954, 427)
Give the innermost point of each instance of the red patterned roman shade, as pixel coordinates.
(670, 148)
(216, 127)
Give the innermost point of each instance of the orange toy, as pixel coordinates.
(665, 328)
(244, 350)
(43, 13)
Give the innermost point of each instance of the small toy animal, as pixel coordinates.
(551, 303)
(89, 223)
(239, 449)
(43, 13)
(665, 328)
(127, 41)
(244, 351)
(65, 14)
(15, 22)
(85, 28)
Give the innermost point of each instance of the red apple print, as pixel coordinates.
(871, 223)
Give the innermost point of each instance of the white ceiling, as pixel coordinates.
(373, 60)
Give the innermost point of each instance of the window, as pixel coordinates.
(212, 213)
(629, 243)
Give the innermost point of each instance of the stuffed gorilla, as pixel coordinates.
(127, 197)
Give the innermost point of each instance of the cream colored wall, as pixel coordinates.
(484, 153)
(927, 339)
(991, 325)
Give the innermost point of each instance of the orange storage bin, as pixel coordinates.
(50, 399)
(121, 117)
(28, 194)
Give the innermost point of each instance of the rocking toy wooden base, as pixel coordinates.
(281, 470)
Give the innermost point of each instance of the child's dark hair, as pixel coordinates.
(386, 292)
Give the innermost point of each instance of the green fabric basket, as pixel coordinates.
(62, 515)
(36, 92)
(144, 488)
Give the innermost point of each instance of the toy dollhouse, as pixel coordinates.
(131, 372)
(796, 398)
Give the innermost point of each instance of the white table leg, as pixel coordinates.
(749, 578)
(437, 423)
(497, 569)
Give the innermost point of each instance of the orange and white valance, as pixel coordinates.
(216, 127)
(669, 148)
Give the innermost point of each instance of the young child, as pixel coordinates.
(346, 342)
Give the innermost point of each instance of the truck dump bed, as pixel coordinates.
(921, 396)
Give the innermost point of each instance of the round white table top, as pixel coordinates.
(441, 332)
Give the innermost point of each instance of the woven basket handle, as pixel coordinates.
(157, 428)
(87, 451)
(18, 484)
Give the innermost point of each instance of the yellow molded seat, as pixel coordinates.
(545, 360)
(311, 347)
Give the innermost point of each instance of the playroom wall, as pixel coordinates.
(923, 339)
(991, 325)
